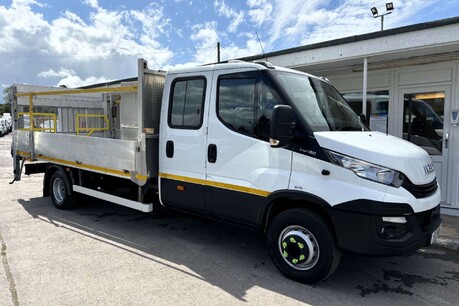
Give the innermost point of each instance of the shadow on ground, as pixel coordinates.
(236, 260)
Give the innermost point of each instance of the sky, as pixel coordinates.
(81, 42)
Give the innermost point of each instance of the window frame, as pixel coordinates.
(171, 99)
(259, 78)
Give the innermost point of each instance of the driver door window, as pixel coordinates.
(245, 105)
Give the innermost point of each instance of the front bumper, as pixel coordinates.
(365, 232)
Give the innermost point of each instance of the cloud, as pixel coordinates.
(92, 3)
(21, 26)
(69, 78)
(353, 17)
(73, 81)
(260, 11)
(224, 10)
(251, 47)
(105, 43)
(61, 73)
(22, 3)
(293, 17)
(298, 22)
(206, 37)
(112, 33)
(96, 42)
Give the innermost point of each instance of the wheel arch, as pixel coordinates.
(49, 173)
(284, 200)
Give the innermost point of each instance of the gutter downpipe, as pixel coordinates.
(364, 91)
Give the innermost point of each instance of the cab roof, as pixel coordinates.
(234, 64)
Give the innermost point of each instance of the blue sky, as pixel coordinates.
(79, 42)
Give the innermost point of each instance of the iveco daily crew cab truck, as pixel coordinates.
(268, 148)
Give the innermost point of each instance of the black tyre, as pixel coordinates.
(60, 191)
(303, 246)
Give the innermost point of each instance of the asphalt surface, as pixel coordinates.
(103, 254)
(449, 233)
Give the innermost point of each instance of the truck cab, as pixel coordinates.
(325, 184)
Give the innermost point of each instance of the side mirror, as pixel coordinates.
(282, 126)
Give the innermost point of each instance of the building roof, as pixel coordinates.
(109, 83)
(418, 40)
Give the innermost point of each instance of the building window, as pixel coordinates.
(377, 108)
(423, 120)
(187, 103)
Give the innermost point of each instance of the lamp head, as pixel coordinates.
(374, 11)
(389, 6)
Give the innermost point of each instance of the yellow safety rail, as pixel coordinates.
(70, 92)
(76, 91)
(45, 117)
(91, 129)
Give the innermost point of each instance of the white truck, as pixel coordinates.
(272, 149)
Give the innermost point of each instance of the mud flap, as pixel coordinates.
(17, 170)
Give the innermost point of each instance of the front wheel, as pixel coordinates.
(303, 246)
(59, 189)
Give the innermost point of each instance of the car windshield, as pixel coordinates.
(318, 103)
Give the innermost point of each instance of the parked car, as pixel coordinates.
(9, 121)
(4, 129)
(48, 125)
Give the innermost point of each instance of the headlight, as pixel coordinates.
(367, 170)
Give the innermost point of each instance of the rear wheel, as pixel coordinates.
(303, 246)
(60, 190)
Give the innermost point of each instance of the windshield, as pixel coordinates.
(318, 103)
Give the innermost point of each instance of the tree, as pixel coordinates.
(5, 107)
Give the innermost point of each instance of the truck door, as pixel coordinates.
(242, 168)
(182, 151)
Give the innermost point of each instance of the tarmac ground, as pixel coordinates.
(449, 233)
(104, 254)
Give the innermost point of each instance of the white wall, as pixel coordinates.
(443, 76)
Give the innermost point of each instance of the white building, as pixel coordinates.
(412, 87)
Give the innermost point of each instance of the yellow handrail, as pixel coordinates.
(33, 116)
(76, 91)
(89, 129)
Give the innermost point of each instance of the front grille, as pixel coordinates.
(420, 191)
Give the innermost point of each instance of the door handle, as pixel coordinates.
(212, 153)
(170, 149)
(445, 140)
